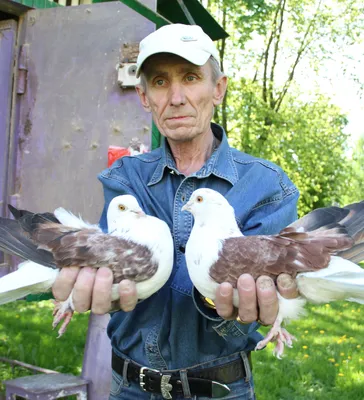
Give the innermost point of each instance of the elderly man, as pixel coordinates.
(174, 345)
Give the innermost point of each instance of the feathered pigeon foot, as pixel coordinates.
(279, 335)
(63, 310)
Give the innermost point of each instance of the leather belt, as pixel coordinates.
(207, 382)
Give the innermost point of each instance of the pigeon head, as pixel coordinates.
(205, 204)
(123, 209)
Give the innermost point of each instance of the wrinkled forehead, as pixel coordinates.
(167, 63)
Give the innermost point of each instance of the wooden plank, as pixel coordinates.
(27, 366)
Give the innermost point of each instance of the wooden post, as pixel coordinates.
(97, 358)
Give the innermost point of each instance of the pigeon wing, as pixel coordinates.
(92, 248)
(351, 217)
(15, 241)
(290, 252)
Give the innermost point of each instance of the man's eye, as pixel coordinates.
(159, 82)
(190, 78)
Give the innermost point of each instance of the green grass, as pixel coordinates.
(26, 335)
(326, 363)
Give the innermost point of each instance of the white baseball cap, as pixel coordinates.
(187, 41)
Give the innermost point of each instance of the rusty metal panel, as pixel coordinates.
(71, 107)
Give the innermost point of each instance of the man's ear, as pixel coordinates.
(219, 90)
(143, 97)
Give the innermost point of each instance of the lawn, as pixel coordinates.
(326, 363)
(26, 335)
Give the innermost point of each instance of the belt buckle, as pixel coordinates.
(166, 387)
(142, 375)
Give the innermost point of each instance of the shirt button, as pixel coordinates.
(183, 197)
(182, 249)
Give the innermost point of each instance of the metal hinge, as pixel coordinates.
(22, 69)
(127, 66)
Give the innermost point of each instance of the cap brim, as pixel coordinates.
(198, 57)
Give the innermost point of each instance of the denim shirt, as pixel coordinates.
(173, 328)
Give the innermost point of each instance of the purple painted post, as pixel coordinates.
(8, 30)
(97, 358)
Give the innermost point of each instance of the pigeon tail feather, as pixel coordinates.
(30, 278)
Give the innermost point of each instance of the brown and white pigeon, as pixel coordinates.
(138, 247)
(318, 250)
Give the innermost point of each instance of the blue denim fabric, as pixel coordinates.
(173, 329)
(242, 389)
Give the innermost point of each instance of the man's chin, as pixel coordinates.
(180, 134)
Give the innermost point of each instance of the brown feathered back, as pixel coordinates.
(92, 248)
(289, 252)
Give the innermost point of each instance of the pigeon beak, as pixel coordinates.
(140, 213)
(186, 207)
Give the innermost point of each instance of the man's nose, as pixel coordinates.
(177, 95)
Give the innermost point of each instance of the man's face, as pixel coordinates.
(180, 95)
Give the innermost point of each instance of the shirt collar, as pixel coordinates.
(220, 163)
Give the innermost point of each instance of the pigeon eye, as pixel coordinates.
(122, 207)
(199, 199)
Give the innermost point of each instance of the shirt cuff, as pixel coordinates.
(224, 328)
(203, 309)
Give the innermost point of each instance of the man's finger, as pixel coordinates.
(248, 310)
(224, 301)
(82, 291)
(267, 300)
(287, 286)
(101, 294)
(128, 295)
(64, 283)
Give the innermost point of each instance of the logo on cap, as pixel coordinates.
(188, 39)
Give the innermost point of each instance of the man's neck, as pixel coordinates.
(191, 156)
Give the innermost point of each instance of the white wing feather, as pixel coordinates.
(30, 278)
(67, 218)
(341, 280)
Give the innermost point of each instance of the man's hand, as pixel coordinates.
(92, 289)
(258, 300)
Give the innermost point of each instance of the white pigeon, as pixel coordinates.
(138, 247)
(312, 250)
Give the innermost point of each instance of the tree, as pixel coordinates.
(355, 186)
(271, 113)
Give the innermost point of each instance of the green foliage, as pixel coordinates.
(269, 112)
(306, 139)
(355, 186)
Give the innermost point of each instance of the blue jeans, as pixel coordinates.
(242, 389)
